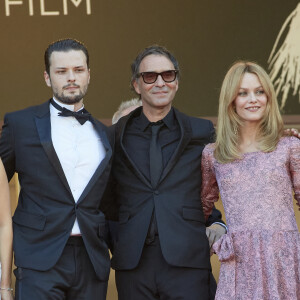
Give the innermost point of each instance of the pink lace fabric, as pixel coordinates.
(260, 254)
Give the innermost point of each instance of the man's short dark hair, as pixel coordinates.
(152, 50)
(64, 45)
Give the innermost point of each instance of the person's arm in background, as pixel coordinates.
(7, 170)
(6, 236)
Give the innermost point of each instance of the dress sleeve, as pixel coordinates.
(209, 190)
(295, 167)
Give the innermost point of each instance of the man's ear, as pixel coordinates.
(47, 78)
(136, 87)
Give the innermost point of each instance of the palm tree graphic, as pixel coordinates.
(284, 60)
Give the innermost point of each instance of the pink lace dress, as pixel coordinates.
(260, 254)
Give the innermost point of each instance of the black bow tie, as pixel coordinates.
(81, 116)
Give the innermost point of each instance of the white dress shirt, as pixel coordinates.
(79, 149)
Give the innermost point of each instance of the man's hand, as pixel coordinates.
(292, 132)
(214, 232)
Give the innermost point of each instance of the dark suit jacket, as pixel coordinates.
(46, 209)
(180, 219)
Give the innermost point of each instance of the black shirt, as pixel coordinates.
(137, 139)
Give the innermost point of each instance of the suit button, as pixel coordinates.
(156, 192)
(76, 206)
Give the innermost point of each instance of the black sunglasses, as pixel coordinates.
(151, 77)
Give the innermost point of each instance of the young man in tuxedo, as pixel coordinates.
(63, 158)
(162, 250)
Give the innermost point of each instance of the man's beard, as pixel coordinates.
(70, 99)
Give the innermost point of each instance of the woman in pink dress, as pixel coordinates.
(5, 237)
(256, 170)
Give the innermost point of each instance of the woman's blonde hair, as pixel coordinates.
(229, 122)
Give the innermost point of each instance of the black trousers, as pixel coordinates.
(155, 279)
(72, 278)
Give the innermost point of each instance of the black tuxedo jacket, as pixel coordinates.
(180, 219)
(46, 209)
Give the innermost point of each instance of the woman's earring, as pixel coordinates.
(235, 130)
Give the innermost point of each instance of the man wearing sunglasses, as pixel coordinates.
(162, 250)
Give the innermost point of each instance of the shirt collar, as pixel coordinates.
(67, 106)
(168, 120)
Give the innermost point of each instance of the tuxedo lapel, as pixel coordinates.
(186, 135)
(120, 129)
(43, 125)
(102, 166)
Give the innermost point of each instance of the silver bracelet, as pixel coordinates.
(6, 289)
